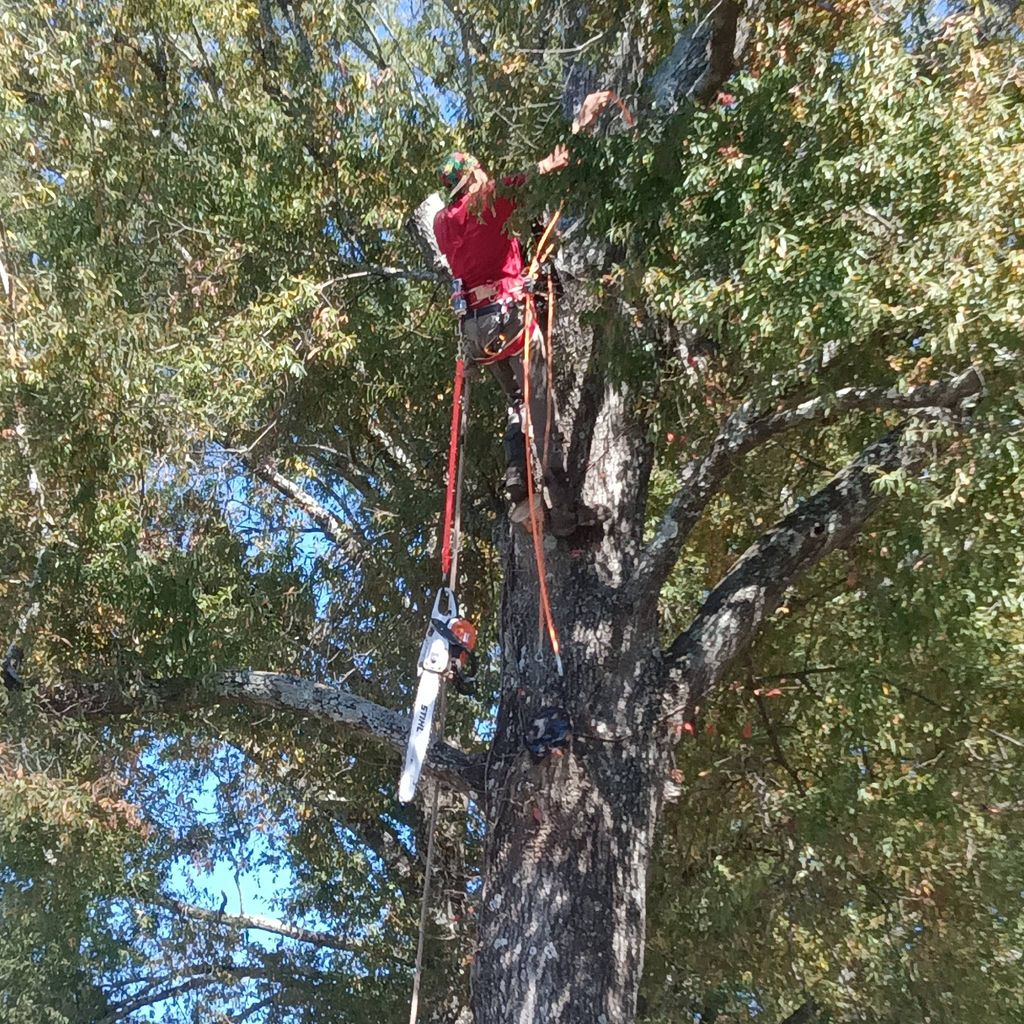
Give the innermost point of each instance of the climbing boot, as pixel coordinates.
(562, 521)
(515, 483)
(520, 514)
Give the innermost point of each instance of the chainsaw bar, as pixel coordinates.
(419, 735)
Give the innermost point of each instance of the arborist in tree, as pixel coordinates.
(488, 261)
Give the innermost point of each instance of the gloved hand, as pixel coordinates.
(591, 109)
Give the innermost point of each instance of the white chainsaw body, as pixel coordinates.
(432, 666)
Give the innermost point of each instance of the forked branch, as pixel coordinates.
(702, 478)
(347, 540)
(734, 611)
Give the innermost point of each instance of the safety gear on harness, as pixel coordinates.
(549, 730)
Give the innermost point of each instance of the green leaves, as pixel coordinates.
(200, 199)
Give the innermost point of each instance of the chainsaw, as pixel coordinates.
(447, 653)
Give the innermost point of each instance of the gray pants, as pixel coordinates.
(483, 331)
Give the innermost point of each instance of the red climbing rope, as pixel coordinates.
(453, 461)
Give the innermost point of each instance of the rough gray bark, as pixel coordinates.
(701, 59)
(562, 915)
(561, 921)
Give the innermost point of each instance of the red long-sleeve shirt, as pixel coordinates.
(471, 234)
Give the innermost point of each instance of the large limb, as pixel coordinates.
(319, 701)
(257, 922)
(702, 478)
(733, 612)
(327, 702)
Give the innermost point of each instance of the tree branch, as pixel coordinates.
(334, 527)
(258, 922)
(345, 464)
(448, 763)
(390, 273)
(700, 61)
(255, 1008)
(201, 975)
(702, 478)
(152, 998)
(733, 612)
(90, 698)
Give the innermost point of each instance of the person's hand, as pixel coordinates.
(481, 192)
(591, 108)
(555, 161)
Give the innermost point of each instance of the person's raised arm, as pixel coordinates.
(556, 160)
(591, 109)
(585, 120)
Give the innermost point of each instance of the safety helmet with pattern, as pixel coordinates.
(454, 169)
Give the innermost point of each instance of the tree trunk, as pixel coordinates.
(563, 909)
(562, 914)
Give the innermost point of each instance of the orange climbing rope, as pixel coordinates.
(546, 620)
(550, 356)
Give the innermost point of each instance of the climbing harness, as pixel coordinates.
(549, 730)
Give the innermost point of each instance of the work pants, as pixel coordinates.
(480, 334)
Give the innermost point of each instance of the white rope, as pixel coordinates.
(424, 907)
